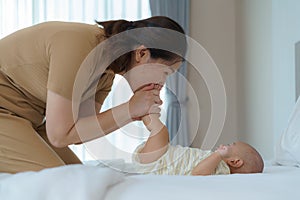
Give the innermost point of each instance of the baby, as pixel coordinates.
(156, 156)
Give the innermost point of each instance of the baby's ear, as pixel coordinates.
(235, 162)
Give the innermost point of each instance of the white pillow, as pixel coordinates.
(72, 182)
(288, 148)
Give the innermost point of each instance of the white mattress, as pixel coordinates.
(276, 183)
(80, 182)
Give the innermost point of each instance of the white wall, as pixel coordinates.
(255, 74)
(286, 33)
(213, 26)
(267, 32)
(252, 43)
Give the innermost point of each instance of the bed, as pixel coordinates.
(276, 183)
(80, 182)
(279, 180)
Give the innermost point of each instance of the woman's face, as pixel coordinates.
(145, 70)
(154, 71)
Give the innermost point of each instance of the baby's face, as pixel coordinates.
(230, 149)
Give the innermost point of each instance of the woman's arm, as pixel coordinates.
(63, 130)
(208, 165)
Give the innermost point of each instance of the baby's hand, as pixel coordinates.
(223, 151)
(146, 120)
(153, 123)
(151, 120)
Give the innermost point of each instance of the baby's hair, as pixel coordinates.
(253, 162)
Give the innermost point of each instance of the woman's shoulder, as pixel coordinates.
(66, 26)
(63, 24)
(61, 31)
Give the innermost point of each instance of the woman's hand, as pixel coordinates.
(145, 101)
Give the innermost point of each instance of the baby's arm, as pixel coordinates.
(208, 165)
(157, 143)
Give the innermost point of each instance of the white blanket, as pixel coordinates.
(73, 182)
(79, 182)
(276, 183)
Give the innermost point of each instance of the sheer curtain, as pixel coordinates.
(176, 121)
(17, 14)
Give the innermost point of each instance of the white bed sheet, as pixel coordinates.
(276, 183)
(72, 182)
(80, 182)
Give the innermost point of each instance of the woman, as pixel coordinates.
(38, 68)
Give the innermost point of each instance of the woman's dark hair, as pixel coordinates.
(114, 27)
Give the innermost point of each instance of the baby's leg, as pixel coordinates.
(158, 141)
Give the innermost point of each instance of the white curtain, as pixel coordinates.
(176, 121)
(17, 14)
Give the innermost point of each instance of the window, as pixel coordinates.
(17, 14)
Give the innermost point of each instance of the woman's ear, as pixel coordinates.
(235, 162)
(142, 55)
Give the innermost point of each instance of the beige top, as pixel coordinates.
(177, 160)
(48, 56)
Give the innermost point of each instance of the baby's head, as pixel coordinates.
(241, 158)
